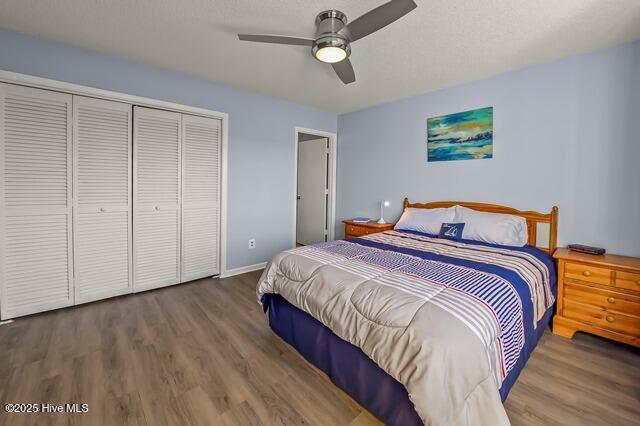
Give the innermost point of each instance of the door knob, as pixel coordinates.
(298, 197)
(102, 209)
(156, 208)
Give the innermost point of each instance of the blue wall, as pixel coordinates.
(261, 133)
(565, 133)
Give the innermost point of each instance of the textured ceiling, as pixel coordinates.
(441, 43)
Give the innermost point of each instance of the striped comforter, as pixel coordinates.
(446, 319)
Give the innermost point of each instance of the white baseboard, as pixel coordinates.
(243, 269)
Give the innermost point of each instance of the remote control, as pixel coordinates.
(586, 249)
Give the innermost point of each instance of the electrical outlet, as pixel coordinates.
(252, 243)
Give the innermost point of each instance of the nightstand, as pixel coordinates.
(598, 294)
(353, 229)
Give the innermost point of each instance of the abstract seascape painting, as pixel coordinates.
(464, 135)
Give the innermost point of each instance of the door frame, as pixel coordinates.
(331, 206)
(93, 92)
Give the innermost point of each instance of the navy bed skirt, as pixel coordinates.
(352, 370)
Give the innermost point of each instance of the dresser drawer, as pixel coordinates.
(620, 302)
(587, 273)
(628, 280)
(356, 230)
(627, 324)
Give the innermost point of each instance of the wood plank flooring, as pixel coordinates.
(202, 354)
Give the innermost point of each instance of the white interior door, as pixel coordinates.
(311, 212)
(156, 189)
(200, 197)
(35, 201)
(102, 200)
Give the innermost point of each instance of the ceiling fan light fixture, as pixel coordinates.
(331, 54)
(331, 50)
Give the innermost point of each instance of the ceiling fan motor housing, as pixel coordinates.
(329, 23)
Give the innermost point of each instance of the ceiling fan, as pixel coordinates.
(332, 42)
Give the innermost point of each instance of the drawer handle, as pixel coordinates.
(611, 300)
(610, 318)
(587, 273)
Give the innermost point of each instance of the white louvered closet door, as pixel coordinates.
(35, 201)
(102, 198)
(156, 189)
(200, 196)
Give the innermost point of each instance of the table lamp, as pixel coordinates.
(383, 204)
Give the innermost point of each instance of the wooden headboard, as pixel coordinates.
(532, 218)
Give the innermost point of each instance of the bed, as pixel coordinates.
(416, 328)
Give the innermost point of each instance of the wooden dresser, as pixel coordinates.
(599, 295)
(353, 229)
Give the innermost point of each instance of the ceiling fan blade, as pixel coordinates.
(377, 18)
(344, 69)
(277, 39)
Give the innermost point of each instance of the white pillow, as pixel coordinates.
(428, 221)
(495, 228)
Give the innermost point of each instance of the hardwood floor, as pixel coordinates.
(202, 353)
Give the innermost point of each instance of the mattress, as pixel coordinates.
(365, 373)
